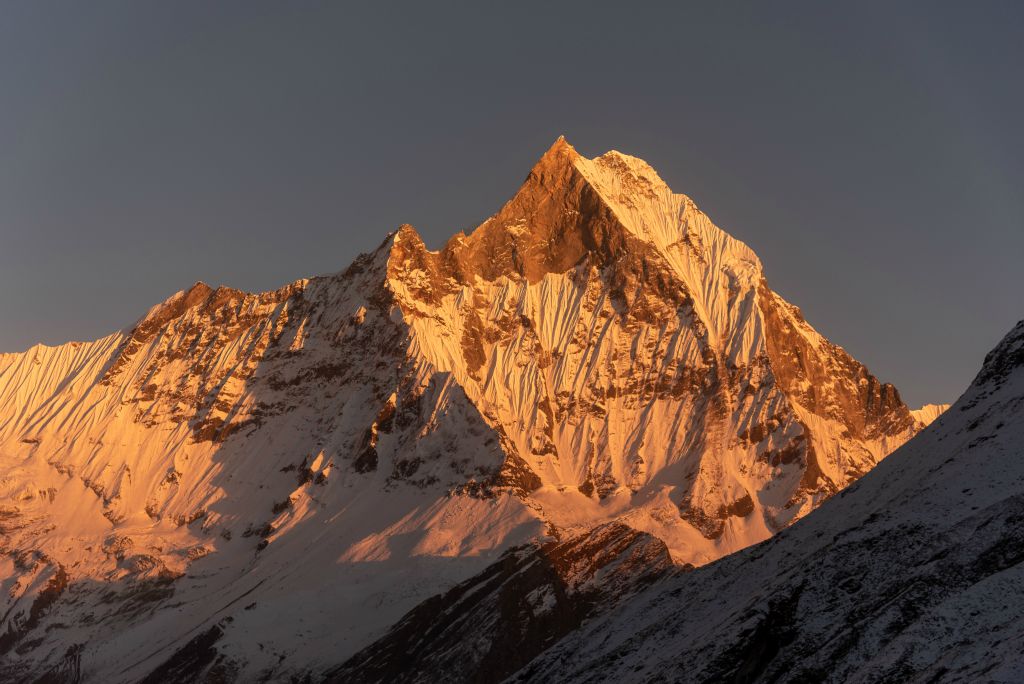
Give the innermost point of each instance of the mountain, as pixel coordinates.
(256, 486)
(927, 414)
(914, 573)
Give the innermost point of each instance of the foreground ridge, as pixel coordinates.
(913, 573)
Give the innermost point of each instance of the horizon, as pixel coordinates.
(250, 165)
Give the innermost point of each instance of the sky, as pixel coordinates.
(871, 154)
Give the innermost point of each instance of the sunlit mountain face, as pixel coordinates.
(585, 398)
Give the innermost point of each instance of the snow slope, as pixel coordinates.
(255, 486)
(914, 573)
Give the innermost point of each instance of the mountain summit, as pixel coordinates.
(604, 308)
(256, 486)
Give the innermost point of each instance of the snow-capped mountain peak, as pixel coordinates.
(597, 352)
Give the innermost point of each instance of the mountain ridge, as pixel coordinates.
(597, 352)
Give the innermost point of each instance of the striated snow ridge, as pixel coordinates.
(927, 414)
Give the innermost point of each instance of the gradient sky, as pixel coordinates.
(872, 156)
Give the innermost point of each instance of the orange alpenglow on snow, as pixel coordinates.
(331, 453)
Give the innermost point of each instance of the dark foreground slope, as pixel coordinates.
(911, 574)
(914, 573)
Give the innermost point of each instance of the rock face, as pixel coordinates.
(914, 573)
(179, 497)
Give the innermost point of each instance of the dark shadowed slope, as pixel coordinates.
(911, 574)
(491, 625)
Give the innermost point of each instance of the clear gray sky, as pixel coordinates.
(871, 154)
